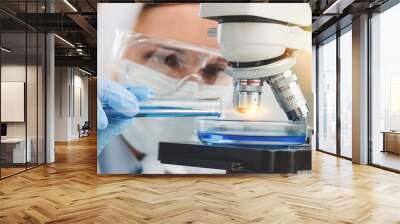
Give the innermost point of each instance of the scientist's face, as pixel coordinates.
(170, 44)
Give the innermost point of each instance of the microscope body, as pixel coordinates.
(257, 40)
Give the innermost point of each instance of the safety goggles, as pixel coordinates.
(175, 59)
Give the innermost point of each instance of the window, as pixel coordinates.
(346, 93)
(327, 96)
(385, 89)
(334, 106)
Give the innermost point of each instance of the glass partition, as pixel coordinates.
(14, 151)
(33, 71)
(22, 77)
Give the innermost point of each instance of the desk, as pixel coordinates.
(391, 141)
(13, 150)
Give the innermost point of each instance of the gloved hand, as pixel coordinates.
(116, 107)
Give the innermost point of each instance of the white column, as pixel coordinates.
(50, 99)
(360, 90)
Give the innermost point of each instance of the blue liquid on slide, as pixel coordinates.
(221, 138)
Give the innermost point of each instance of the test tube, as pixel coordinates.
(180, 107)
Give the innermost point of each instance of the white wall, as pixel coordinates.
(16, 73)
(33, 126)
(70, 84)
(62, 82)
(80, 103)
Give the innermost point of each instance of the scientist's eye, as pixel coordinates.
(210, 72)
(213, 70)
(169, 59)
(172, 61)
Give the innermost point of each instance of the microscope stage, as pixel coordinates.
(237, 159)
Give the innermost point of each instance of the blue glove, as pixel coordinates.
(116, 107)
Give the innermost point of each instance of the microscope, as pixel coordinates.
(258, 41)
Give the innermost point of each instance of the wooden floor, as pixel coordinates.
(386, 159)
(70, 191)
(10, 171)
